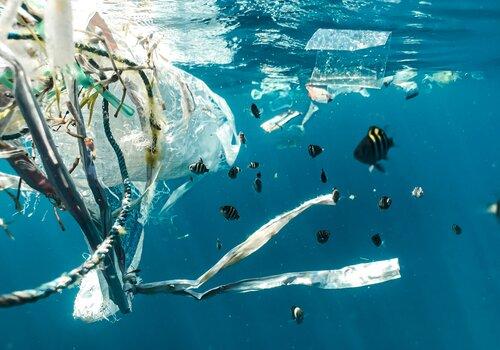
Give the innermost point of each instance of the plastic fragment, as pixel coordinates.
(279, 121)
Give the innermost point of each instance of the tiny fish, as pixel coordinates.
(257, 185)
(255, 110)
(315, 150)
(218, 244)
(335, 195)
(242, 137)
(297, 314)
(229, 212)
(494, 209)
(323, 176)
(322, 236)
(233, 172)
(258, 175)
(456, 229)
(373, 148)
(199, 167)
(417, 192)
(377, 240)
(384, 202)
(253, 165)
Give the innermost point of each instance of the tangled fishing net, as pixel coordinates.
(109, 118)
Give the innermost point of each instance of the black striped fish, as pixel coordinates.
(323, 176)
(373, 148)
(253, 165)
(233, 172)
(255, 110)
(257, 183)
(199, 167)
(297, 314)
(314, 150)
(335, 195)
(229, 212)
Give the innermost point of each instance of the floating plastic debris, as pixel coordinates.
(417, 192)
(312, 109)
(403, 79)
(346, 39)
(442, 78)
(58, 28)
(349, 58)
(279, 121)
(319, 94)
(348, 277)
(411, 89)
(353, 276)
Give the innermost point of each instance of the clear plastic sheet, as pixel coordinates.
(209, 132)
(349, 58)
(346, 39)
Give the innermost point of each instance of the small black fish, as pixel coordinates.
(297, 314)
(229, 212)
(373, 148)
(456, 229)
(335, 195)
(199, 167)
(259, 175)
(377, 240)
(315, 150)
(218, 244)
(323, 176)
(233, 172)
(257, 185)
(384, 202)
(242, 137)
(253, 165)
(255, 110)
(322, 236)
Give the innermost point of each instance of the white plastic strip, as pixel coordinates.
(59, 33)
(260, 237)
(279, 121)
(352, 276)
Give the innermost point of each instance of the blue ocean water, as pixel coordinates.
(446, 141)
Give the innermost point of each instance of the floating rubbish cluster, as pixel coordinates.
(93, 118)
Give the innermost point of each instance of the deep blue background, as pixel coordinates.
(447, 142)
